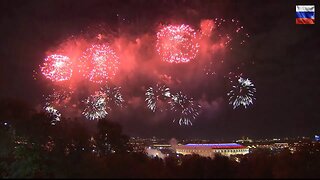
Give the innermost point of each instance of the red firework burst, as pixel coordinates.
(57, 67)
(177, 44)
(99, 63)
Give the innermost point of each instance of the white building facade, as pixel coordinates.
(210, 150)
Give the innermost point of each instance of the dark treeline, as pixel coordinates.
(31, 147)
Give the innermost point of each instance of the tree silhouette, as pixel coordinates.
(110, 139)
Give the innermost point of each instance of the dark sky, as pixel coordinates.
(286, 69)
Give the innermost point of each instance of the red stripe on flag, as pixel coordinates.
(305, 21)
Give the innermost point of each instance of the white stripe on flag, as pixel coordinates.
(305, 8)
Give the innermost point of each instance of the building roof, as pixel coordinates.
(214, 146)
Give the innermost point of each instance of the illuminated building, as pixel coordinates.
(243, 140)
(209, 150)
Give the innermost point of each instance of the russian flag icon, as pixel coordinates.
(305, 14)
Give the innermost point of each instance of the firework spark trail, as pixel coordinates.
(177, 44)
(226, 35)
(57, 68)
(54, 114)
(207, 27)
(96, 106)
(230, 30)
(99, 63)
(114, 95)
(185, 107)
(54, 102)
(209, 69)
(242, 93)
(154, 95)
(58, 96)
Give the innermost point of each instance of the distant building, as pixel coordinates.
(165, 149)
(281, 145)
(243, 140)
(273, 146)
(210, 150)
(161, 146)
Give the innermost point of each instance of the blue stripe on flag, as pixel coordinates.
(305, 15)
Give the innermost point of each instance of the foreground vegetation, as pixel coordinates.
(30, 147)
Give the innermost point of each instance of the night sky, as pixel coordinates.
(280, 57)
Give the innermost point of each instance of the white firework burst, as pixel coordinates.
(186, 109)
(55, 102)
(54, 114)
(114, 95)
(96, 106)
(242, 93)
(99, 105)
(155, 96)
